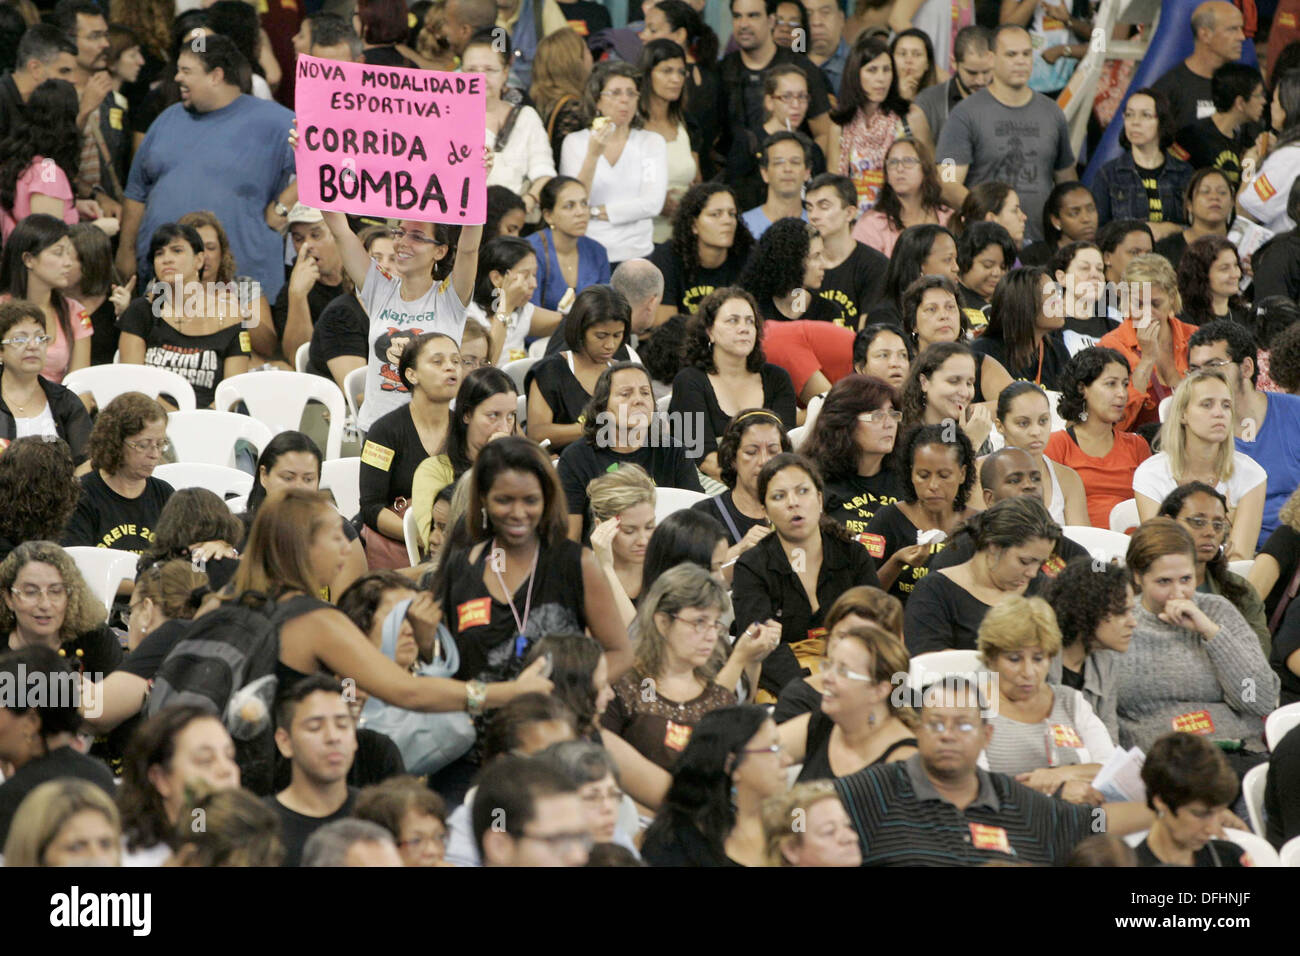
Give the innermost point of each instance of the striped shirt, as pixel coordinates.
(903, 821)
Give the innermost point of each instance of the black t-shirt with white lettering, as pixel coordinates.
(854, 500)
(686, 293)
(857, 283)
(199, 359)
(1188, 94)
(1151, 183)
(104, 519)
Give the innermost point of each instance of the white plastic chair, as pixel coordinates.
(799, 434)
(300, 357)
(208, 437)
(412, 537)
(237, 505)
(1101, 543)
(278, 399)
(1135, 839)
(518, 369)
(1252, 788)
(218, 479)
(521, 412)
(538, 349)
(342, 476)
(1124, 516)
(106, 382)
(1058, 423)
(1290, 852)
(1164, 406)
(937, 664)
(1241, 567)
(668, 500)
(1280, 723)
(354, 384)
(104, 570)
(662, 404)
(1260, 850)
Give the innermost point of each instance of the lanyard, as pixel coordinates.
(528, 599)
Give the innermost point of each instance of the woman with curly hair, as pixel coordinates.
(41, 155)
(708, 250)
(752, 439)
(1284, 360)
(853, 442)
(985, 253)
(30, 404)
(38, 484)
(723, 365)
(909, 196)
(828, 839)
(1209, 279)
(561, 66)
(120, 499)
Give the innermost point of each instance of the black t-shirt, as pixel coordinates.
(687, 293)
(11, 104)
(58, 763)
(667, 466)
(1283, 546)
(819, 310)
(683, 846)
(103, 342)
(857, 283)
(145, 660)
(1286, 641)
(740, 523)
(1151, 183)
(855, 499)
(392, 452)
(693, 397)
(1093, 327)
(104, 519)
(199, 359)
(1172, 248)
(1188, 95)
(385, 56)
(1053, 353)
(319, 296)
(891, 530)
(586, 17)
(742, 87)
(1282, 790)
(1215, 853)
(559, 387)
(340, 330)
(96, 652)
(296, 829)
(797, 697)
(942, 616)
(1203, 145)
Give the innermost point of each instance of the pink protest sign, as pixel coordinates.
(391, 142)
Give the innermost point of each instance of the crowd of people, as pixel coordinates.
(734, 411)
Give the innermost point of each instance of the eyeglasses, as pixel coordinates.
(788, 23)
(614, 794)
(560, 842)
(22, 341)
(842, 672)
(880, 415)
(126, 615)
(470, 362)
(160, 445)
(1212, 363)
(417, 237)
(936, 726)
(789, 98)
(31, 594)
(903, 162)
(702, 627)
(1219, 525)
(621, 94)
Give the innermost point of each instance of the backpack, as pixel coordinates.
(226, 663)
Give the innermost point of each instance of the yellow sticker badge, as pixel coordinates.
(245, 342)
(377, 456)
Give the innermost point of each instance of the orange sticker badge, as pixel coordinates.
(1197, 722)
(473, 613)
(84, 318)
(677, 736)
(1063, 735)
(1264, 189)
(874, 543)
(984, 837)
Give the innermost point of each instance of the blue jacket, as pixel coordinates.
(593, 268)
(1119, 193)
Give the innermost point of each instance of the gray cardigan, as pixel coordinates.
(1171, 671)
(1098, 685)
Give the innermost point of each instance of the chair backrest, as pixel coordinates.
(218, 479)
(300, 357)
(1124, 516)
(927, 668)
(354, 384)
(411, 536)
(104, 570)
(1252, 789)
(1241, 567)
(661, 405)
(1101, 543)
(1290, 852)
(518, 369)
(342, 476)
(1164, 406)
(521, 412)
(106, 382)
(538, 349)
(1260, 850)
(206, 436)
(668, 500)
(1280, 723)
(279, 398)
(237, 505)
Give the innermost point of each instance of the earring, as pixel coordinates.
(1083, 416)
(485, 524)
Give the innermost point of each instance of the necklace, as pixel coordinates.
(30, 395)
(521, 642)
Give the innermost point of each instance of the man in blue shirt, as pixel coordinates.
(784, 164)
(829, 50)
(217, 149)
(1268, 423)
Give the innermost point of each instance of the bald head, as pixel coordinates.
(1009, 472)
(1218, 31)
(464, 18)
(642, 284)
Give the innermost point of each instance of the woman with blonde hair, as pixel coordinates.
(808, 826)
(1196, 444)
(560, 69)
(65, 822)
(1045, 734)
(623, 508)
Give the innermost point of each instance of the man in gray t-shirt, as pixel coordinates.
(1008, 133)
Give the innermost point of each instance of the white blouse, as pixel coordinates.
(527, 155)
(681, 173)
(1154, 479)
(632, 190)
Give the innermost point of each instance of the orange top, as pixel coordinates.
(1106, 481)
(1144, 407)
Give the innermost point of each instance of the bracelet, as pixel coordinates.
(475, 697)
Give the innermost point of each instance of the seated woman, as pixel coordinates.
(1189, 785)
(859, 722)
(1024, 328)
(828, 839)
(199, 528)
(1069, 215)
(560, 385)
(1203, 511)
(1209, 206)
(623, 516)
(219, 265)
(796, 573)
(65, 822)
(1194, 664)
(31, 404)
(993, 201)
(1094, 387)
(1197, 444)
(292, 460)
(1012, 540)
(708, 250)
(166, 329)
(173, 752)
(985, 253)
(712, 815)
(92, 282)
(937, 475)
(752, 438)
(40, 745)
(882, 351)
(412, 813)
(680, 653)
(941, 388)
(1017, 641)
(617, 430)
(1209, 278)
(927, 250)
(725, 370)
(36, 476)
(855, 608)
(909, 196)
(241, 831)
(853, 442)
(400, 440)
(568, 259)
(1094, 611)
(687, 537)
(486, 405)
(504, 289)
(1080, 270)
(1025, 422)
(1146, 180)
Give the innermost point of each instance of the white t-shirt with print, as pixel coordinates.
(517, 326)
(394, 323)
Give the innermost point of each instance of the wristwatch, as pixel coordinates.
(281, 209)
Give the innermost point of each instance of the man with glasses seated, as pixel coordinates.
(528, 813)
(784, 164)
(937, 808)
